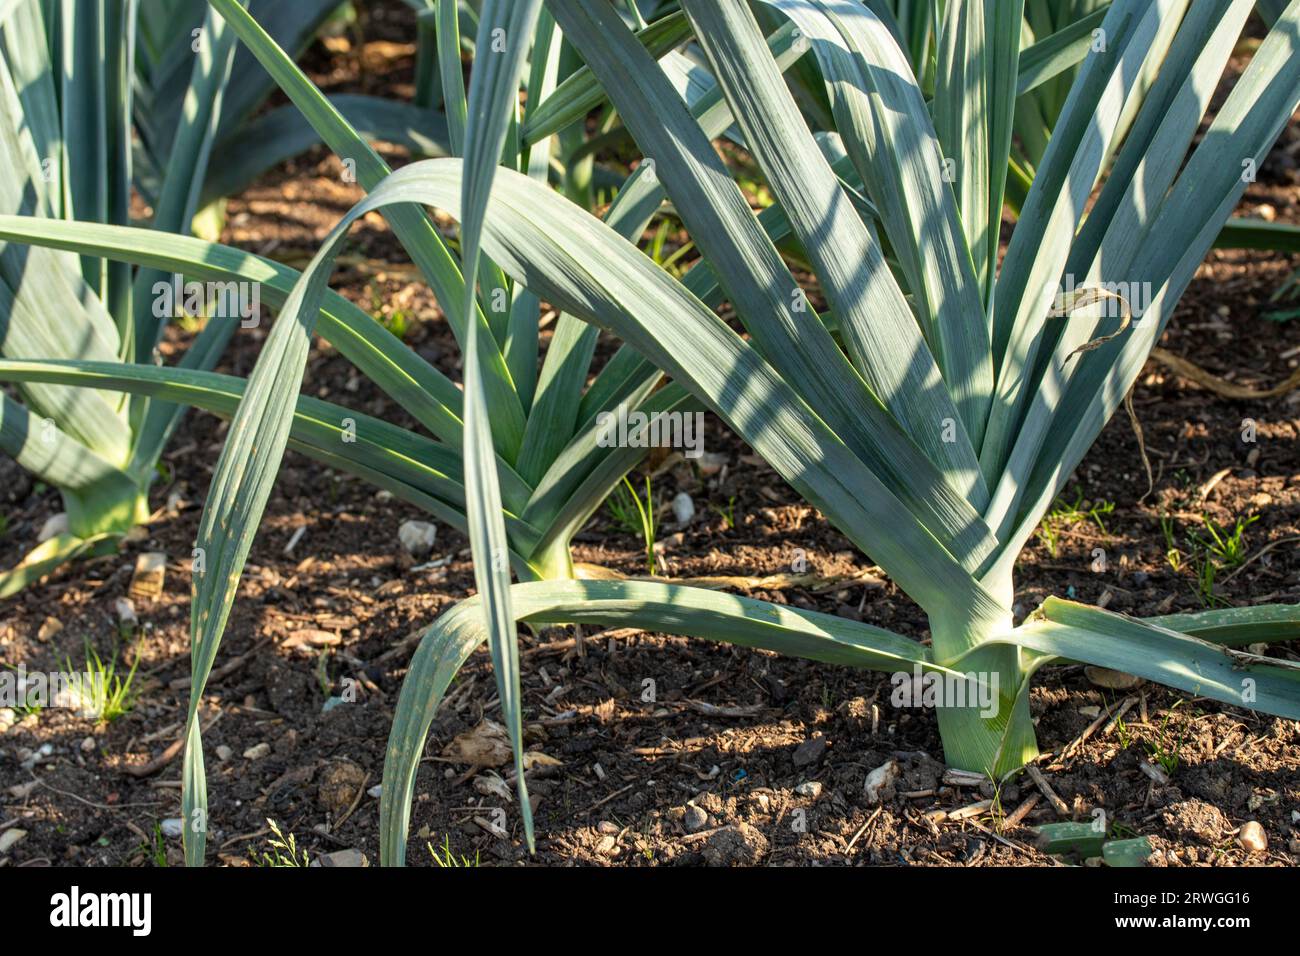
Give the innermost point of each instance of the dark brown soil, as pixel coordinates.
(714, 770)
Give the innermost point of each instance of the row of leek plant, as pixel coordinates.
(555, 493)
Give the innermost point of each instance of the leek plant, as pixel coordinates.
(932, 413)
(251, 138)
(1056, 35)
(98, 99)
(1068, 31)
(66, 91)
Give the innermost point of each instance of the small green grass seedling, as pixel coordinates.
(636, 517)
(1065, 514)
(728, 514)
(1164, 749)
(445, 858)
(1173, 555)
(155, 848)
(100, 688)
(670, 262)
(1228, 547)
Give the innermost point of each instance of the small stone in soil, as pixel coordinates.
(88, 745)
(737, 845)
(1252, 838)
(1110, 679)
(417, 537)
(810, 751)
(683, 508)
(878, 787)
(30, 758)
(695, 819)
(124, 608)
(809, 788)
(340, 785)
(9, 838)
(21, 791)
(224, 753)
(710, 463)
(172, 828)
(344, 858)
(257, 751)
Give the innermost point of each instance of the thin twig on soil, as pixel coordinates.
(862, 829)
(225, 670)
(1045, 788)
(92, 803)
(1259, 554)
(1112, 713)
(604, 800)
(1019, 813)
(1028, 851)
(356, 802)
(168, 755)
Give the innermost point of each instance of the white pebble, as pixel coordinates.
(710, 463)
(880, 778)
(172, 827)
(125, 610)
(417, 537)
